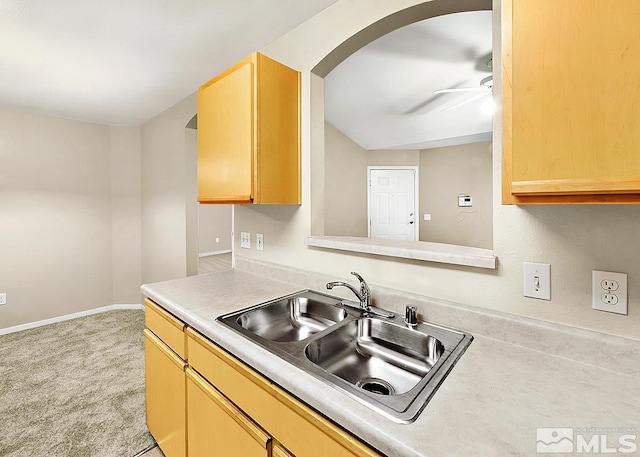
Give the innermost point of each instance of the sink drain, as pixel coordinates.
(376, 386)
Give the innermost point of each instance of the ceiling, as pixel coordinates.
(382, 96)
(121, 62)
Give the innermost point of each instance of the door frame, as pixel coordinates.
(416, 200)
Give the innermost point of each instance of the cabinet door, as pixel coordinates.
(165, 396)
(217, 427)
(303, 431)
(571, 99)
(226, 136)
(277, 155)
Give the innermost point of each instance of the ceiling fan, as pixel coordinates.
(485, 88)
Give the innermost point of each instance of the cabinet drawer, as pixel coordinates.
(216, 424)
(303, 431)
(166, 327)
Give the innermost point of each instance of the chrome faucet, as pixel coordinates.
(364, 294)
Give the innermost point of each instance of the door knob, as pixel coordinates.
(410, 222)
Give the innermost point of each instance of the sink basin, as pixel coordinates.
(293, 318)
(376, 355)
(379, 361)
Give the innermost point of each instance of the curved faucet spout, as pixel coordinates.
(364, 294)
(331, 285)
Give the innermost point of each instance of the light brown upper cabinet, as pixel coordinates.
(249, 134)
(571, 101)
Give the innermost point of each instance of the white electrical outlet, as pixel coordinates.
(3, 298)
(259, 241)
(609, 291)
(537, 280)
(245, 240)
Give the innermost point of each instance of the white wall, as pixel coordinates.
(55, 217)
(574, 239)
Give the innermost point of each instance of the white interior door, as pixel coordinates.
(392, 203)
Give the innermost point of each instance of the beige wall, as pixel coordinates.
(570, 238)
(88, 211)
(191, 199)
(393, 158)
(55, 199)
(214, 222)
(55, 217)
(446, 173)
(126, 223)
(346, 165)
(164, 193)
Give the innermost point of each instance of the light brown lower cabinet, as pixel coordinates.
(202, 401)
(217, 427)
(165, 395)
(299, 429)
(279, 451)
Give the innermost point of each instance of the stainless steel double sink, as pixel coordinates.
(387, 365)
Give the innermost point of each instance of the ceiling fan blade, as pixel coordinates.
(465, 102)
(461, 89)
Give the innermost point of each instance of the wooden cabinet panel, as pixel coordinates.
(278, 173)
(279, 451)
(225, 136)
(166, 327)
(165, 396)
(217, 427)
(571, 101)
(303, 431)
(249, 134)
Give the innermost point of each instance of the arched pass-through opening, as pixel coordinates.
(393, 22)
(340, 53)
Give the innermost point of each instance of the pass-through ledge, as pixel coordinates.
(423, 250)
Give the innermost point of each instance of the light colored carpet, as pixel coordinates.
(74, 388)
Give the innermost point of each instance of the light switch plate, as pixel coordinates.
(537, 280)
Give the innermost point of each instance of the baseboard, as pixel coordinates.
(66, 317)
(207, 254)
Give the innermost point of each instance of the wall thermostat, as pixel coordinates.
(465, 200)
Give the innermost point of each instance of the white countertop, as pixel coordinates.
(490, 404)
